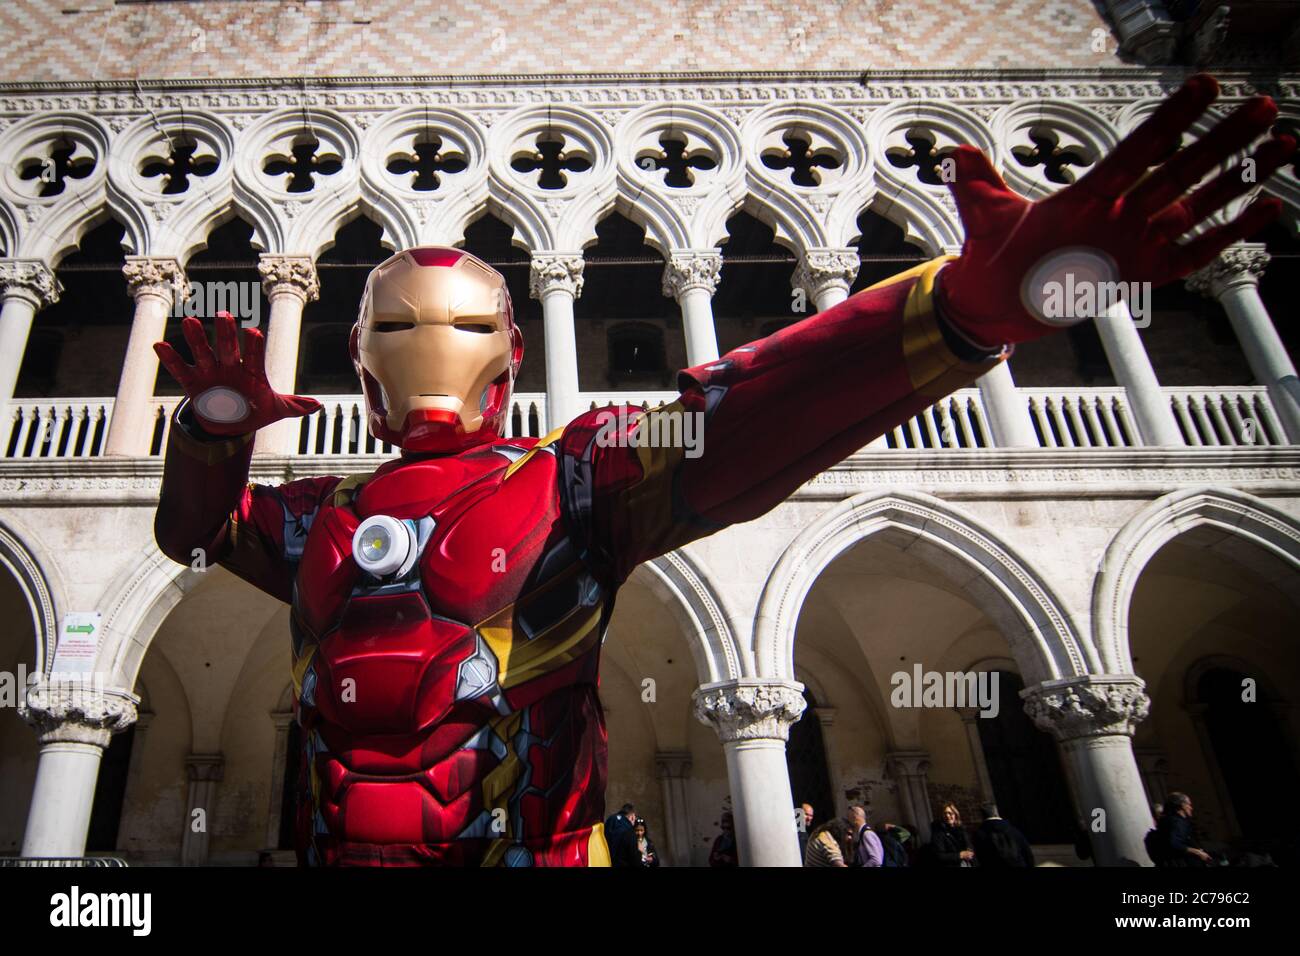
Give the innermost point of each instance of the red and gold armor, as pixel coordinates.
(448, 609)
(450, 713)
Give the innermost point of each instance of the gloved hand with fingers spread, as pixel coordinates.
(1119, 223)
(230, 394)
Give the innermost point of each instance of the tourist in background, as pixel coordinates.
(829, 844)
(867, 848)
(949, 843)
(998, 844)
(724, 852)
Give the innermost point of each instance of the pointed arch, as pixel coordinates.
(1242, 519)
(1042, 636)
(21, 562)
(697, 604)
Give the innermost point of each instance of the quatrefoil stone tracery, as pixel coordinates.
(426, 160)
(297, 162)
(805, 157)
(170, 163)
(65, 158)
(677, 159)
(1051, 154)
(550, 159)
(923, 150)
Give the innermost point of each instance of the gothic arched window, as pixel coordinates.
(636, 354)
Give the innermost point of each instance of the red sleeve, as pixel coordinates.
(207, 504)
(750, 428)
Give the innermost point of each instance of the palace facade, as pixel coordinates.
(1110, 522)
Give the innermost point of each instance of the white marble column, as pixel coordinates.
(26, 287)
(826, 275)
(752, 718)
(1093, 720)
(203, 772)
(826, 717)
(1007, 410)
(290, 282)
(910, 769)
(673, 768)
(154, 284)
(969, 719)
(691, 278)
(1233, 279)
(1153, 765)
(74, 722)
(555, 279)
(1131, 366)
(280, 758)
(1197, 711)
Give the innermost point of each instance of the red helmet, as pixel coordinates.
(437, 350)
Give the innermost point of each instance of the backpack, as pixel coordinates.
(1006, 847)
(894, 854)
(1155, 846)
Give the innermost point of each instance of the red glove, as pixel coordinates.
(1117, 216)
(229, 396)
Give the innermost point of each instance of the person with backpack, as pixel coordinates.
(1174, 839)
(998, 844)
(892, 838)
(867, 848)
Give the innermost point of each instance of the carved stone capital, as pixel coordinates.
(163, 278)
(1240, 264)
(1088, 706)
(672, 764)
(30, 279)
(902, 764)
(692, 269)
(823, 269)
(552, 271)
(204, 767)
(1145, 30)
(750, 709)
(289, 275)
(77, 711)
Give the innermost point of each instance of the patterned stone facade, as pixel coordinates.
(100, 39)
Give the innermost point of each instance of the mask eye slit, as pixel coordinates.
(393, 326)
(479, 327)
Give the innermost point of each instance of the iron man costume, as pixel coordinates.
(448, 608)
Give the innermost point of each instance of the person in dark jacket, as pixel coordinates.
(949, 844)
(635, 848)
(724, 852)
(1176, 838)
(998, 844)
(618, 826)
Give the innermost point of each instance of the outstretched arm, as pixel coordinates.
(207, 504)
(748, 429)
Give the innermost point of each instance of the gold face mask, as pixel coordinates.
(437, 350)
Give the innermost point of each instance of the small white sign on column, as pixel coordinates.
(78, 643)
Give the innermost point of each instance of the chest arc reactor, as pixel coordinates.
(383, 546)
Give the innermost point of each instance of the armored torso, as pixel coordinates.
(449, 711)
